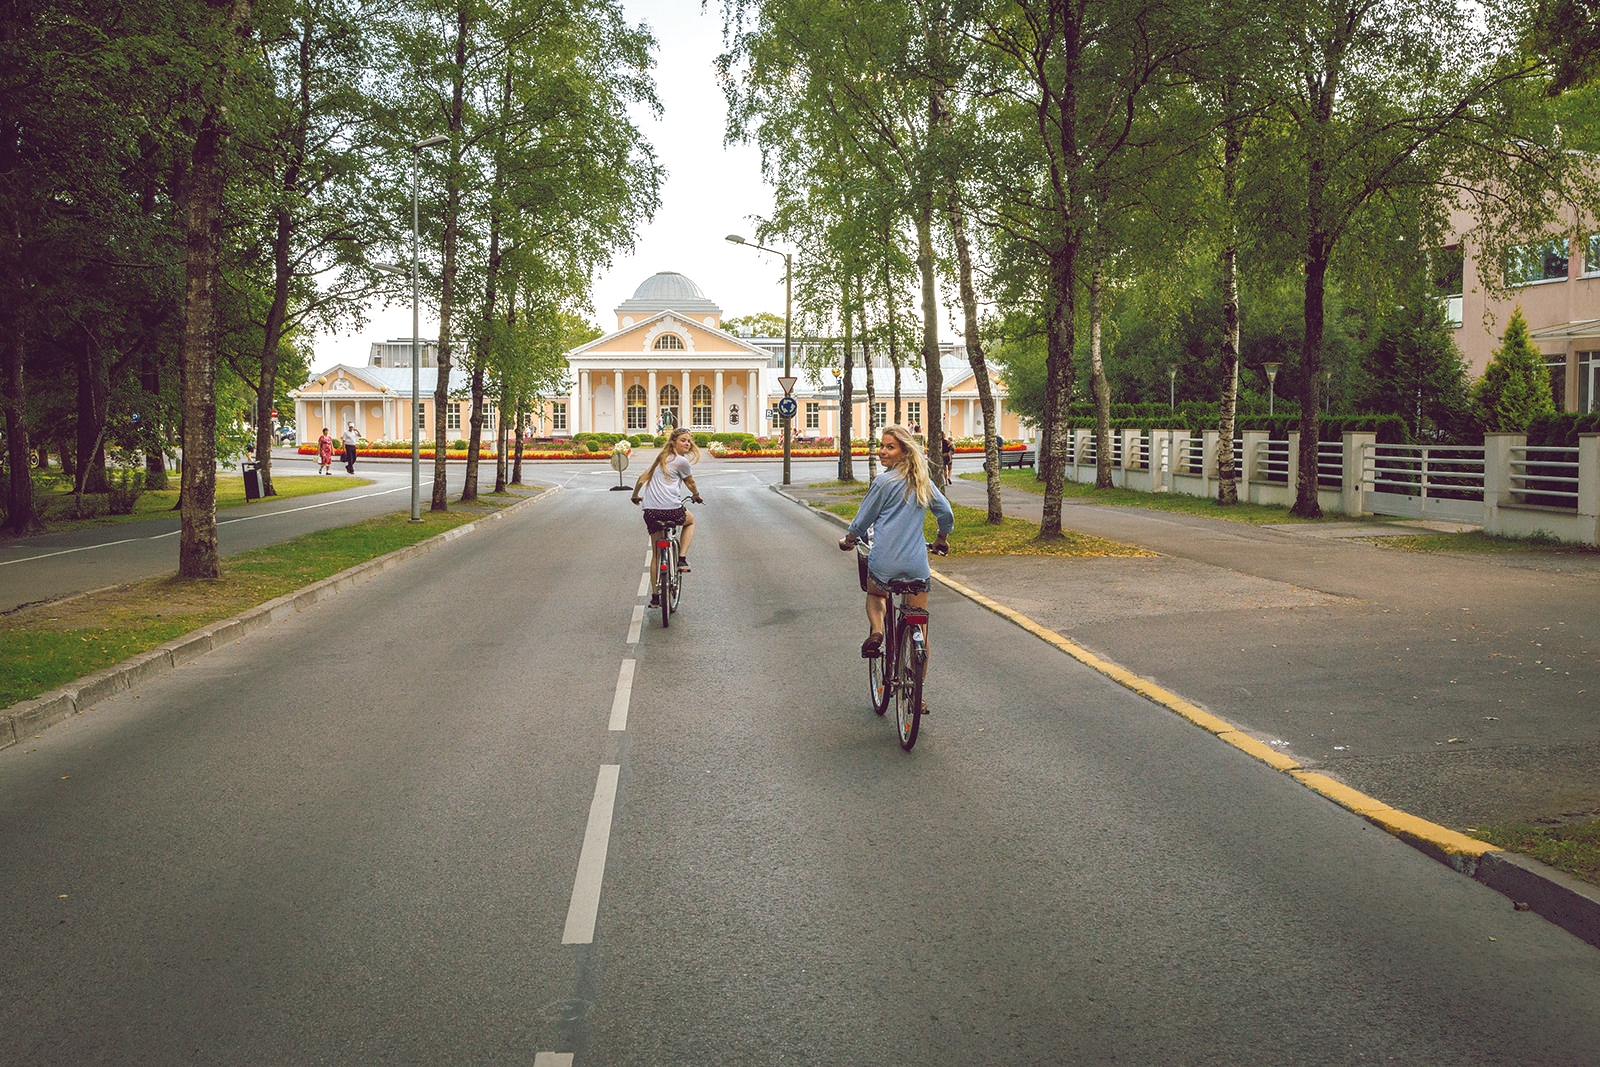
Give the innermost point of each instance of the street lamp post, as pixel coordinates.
(788, 276)
(1172, 386)
(1272, 384)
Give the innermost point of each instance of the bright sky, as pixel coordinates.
(710, 192)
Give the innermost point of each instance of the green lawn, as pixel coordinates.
(58, 504)
(1182, 503)
(56, 643)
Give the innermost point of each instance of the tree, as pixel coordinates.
(1515, 387)
(1414, 371)
(759, 324)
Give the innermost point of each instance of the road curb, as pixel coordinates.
(1554, 895)
(31, 716)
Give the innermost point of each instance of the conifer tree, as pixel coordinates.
(1515, 387)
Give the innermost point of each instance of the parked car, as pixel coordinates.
(286, 435)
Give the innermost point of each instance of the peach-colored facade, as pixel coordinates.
(963, 412)
(378, 401)
(1561, 303)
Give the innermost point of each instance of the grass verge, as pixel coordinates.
(1180, 503)
(58, 503)
(973, 536)
(1476, 541)
(48, 646)
(1574, 848)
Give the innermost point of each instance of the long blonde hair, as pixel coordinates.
(666, 452)
(914, 468)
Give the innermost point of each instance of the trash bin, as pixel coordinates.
(252, 481)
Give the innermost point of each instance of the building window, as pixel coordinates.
(733, 414)
(880, 415)
(813, 416)
(668, 342)
(1545, 261)
(638, 408)
(558, 416)
(488, 419)
(422, 419)
(1588, 364)
(452, 417)
(702, 406)
(669, 405)
(914, 415)
(1591, 254)
(1557, 366)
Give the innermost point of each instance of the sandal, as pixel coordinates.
(872, 647)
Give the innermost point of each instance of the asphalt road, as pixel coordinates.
(372, 834)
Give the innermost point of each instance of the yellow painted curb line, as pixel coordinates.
(1458, 850)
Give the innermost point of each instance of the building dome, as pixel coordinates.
(668, 285)
(668, 291)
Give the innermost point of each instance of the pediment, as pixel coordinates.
(639, 339)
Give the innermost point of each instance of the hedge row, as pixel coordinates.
(1563, 430)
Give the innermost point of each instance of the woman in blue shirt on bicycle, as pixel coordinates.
(894, 510)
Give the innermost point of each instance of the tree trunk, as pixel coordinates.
(197, 544)
(94, 394)
(1097, 380)
(447, 275)
(197, 491)
(980, 369)
(272, 337)
(469, 485)
(1227, 474)
(522, 425)
(152, 429)
(20, 516)
(847, 402)
(1306, 505)
(933, 373)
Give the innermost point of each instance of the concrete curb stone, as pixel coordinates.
(1554, 895)
(31, 716)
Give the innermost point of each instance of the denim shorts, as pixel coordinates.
(902, 585)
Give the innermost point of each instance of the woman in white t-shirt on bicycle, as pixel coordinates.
(660, 489)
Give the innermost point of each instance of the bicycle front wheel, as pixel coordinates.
(908, 668)
(878, 675)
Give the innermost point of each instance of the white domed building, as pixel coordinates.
(668, 362)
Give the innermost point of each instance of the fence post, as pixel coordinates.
(1159, 440)
(1356, 485)
(1210, 441)
(1249, 463)
(1589, 487)
(1497, 484)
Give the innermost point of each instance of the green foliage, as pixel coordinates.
(760, 324)
(1563, 428)
(1515, 387)
(124, 490)
(1414, 371)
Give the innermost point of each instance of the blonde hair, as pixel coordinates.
(666, 452)
(914, 468)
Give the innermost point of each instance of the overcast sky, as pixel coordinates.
(711, 191)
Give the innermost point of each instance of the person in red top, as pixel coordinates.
(324, 452)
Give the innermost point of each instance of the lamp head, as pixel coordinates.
(734, 238)
(429, 142)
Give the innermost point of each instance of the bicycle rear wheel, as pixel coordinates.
(908, 668)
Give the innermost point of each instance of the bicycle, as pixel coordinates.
(669, 579)
(898, 670)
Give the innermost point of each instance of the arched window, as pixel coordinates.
(669, 405)
(638, 408)
(668, 342)
(702, 406)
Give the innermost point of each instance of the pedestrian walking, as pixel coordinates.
(324, 453)
(351, 440)
(947, 455)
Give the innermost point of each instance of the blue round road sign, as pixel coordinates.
(787, 407)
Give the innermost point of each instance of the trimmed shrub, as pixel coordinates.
(123, 490)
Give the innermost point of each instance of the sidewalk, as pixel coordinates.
(1461, 689)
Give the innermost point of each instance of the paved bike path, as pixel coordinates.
(1450, 691)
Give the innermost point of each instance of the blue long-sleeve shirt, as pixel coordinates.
(899, 551)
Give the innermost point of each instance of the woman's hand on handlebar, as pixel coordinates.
(941, 546)
(846, 543)
(697, 499)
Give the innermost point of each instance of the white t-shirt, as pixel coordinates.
(351, 437)
(664, 491)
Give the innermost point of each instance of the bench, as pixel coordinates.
(1016, 458)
